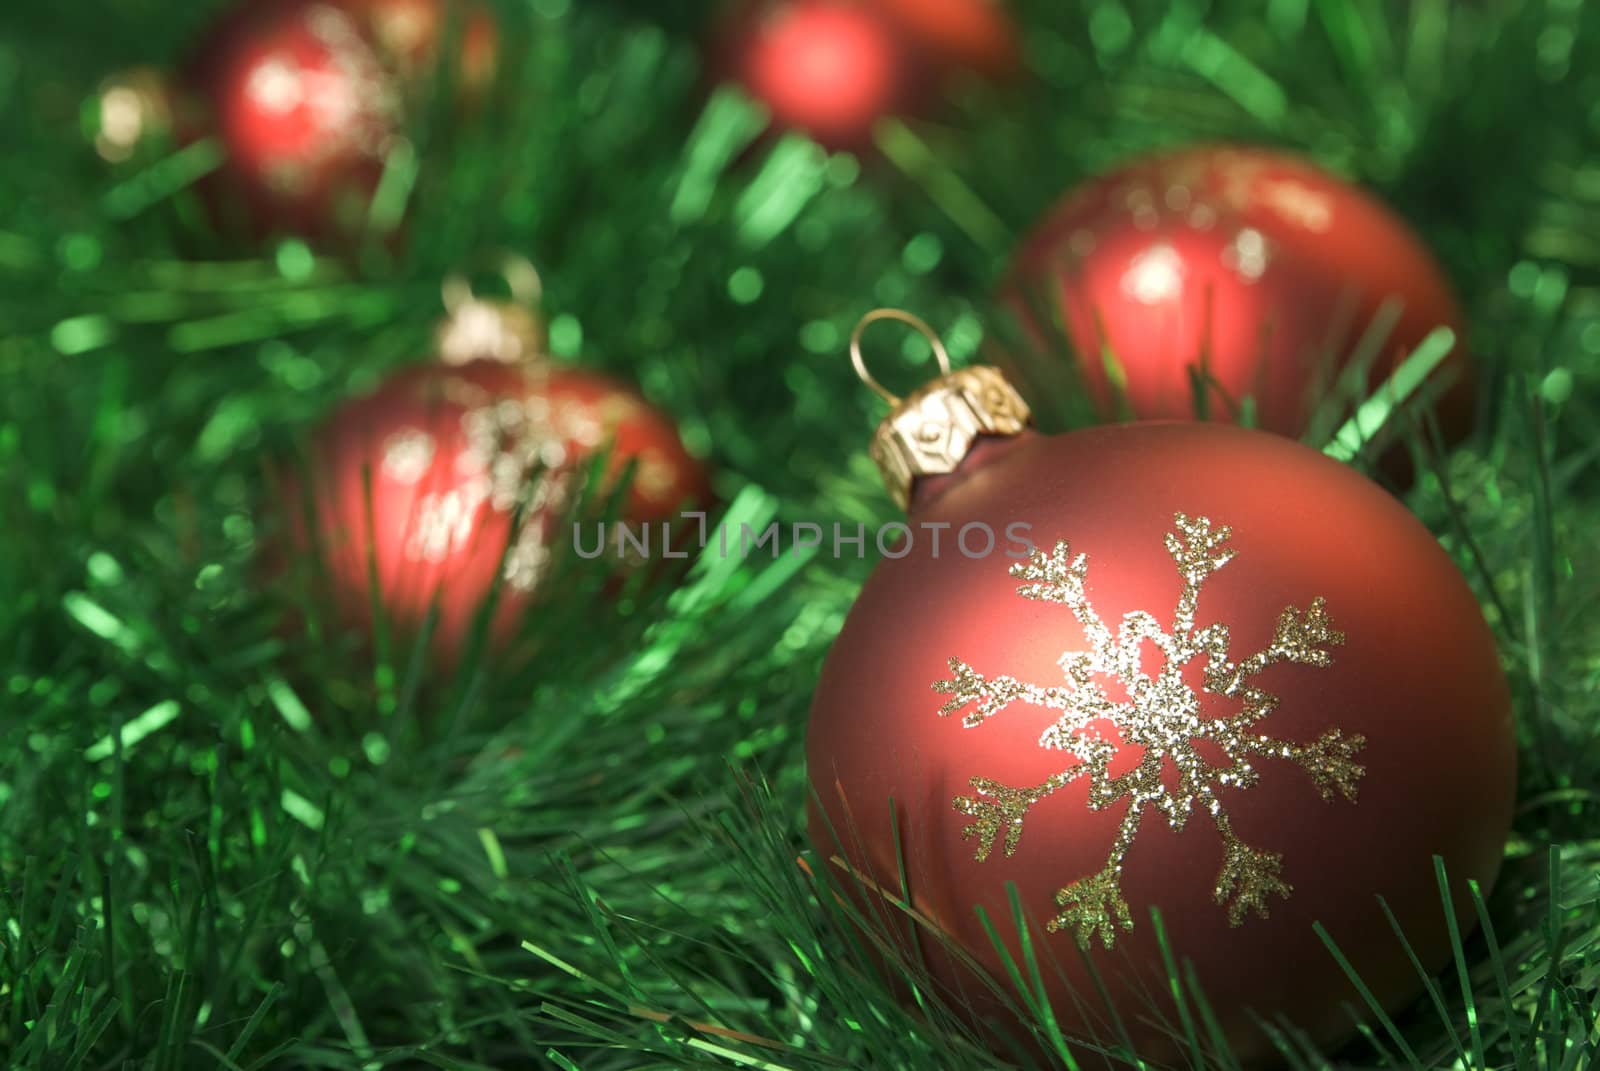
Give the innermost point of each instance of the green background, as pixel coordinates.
(227, 844)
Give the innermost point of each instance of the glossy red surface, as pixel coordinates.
(449, 450)
(1265, 264)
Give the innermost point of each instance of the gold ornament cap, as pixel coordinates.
(133, 107)
(484, 329)
(932, 430)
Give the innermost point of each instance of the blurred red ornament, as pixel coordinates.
(307, 98)
(1231, 680)
(978, 35)
(831, 68)
(452, 450)
(1261, 265)
(834, 68)
(306, 113)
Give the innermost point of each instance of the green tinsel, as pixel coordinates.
(227, 844)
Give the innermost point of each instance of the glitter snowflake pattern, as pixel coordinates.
(506, 443)
(1161, 716)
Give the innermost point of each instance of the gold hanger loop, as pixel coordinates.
(940, 354)
(518, 273)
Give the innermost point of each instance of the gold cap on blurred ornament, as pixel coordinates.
(931, 431)
(483, 329)
(134, 106)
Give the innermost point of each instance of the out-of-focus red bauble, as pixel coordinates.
(451, 451)
(307, 98)
(305, 111)
(831, 68)
(1234, 681)
(1264, 263)
(834, 68)
(978, 35)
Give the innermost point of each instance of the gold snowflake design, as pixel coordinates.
(1162, 717)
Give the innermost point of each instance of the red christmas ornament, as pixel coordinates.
(828, 67)
(1259, 264)
(1230, 679)
(307, 98)
(451, 450)
(306, 112)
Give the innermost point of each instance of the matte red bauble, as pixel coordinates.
(1172, 665)
(830, 68)
(307, 98)
(1259, 264)
(451, 451)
